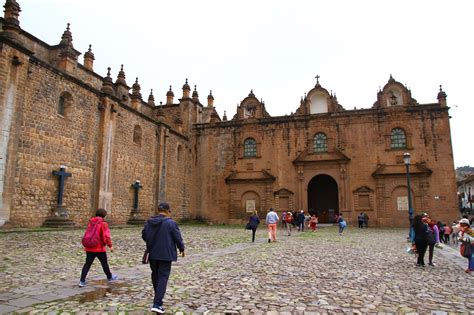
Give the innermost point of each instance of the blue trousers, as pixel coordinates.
(160, 272)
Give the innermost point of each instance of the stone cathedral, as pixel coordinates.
(73, 140)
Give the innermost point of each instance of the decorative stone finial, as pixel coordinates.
(66, 38)
(195, 94)
(442, 95)
(151, 98)
(170, 96)
(251, 93)
(210, 99)
(136, 90)
(89, 59)
(121, 77)
(11, 14)
(186, 86)
(170, 92)
(89, 53)
(107, 84)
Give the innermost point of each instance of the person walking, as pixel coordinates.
(289, 222)
(360, 220)
(162, 236)
(420, 238)
(342, 224)
(448, 230)
(283, 220)
(254, 221)
(300, 218)
(272, 221)
(433, 240)
(366, 220)
(313, 222)
(96, 237)
(466, 237)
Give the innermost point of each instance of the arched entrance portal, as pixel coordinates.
(323, 198)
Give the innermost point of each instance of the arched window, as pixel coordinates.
(137, 135)
(64, 103)
(398, 139)
(320, 143)
(250, 147)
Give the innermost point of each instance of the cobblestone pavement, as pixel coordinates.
(363, 271)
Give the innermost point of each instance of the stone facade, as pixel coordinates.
(56, 111)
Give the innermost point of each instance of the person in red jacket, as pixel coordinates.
(99, 250)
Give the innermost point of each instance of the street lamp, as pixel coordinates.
(406, 160)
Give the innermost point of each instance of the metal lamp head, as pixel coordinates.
(406, 158)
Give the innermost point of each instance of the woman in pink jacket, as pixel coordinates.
(96, 237)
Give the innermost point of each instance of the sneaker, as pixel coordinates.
(113, 278)
(82, 284)
(431, 264)
(157, 309)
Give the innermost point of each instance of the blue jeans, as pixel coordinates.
(160, 272)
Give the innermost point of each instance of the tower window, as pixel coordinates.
(250, 147)
(398, 139)
(64, 103)
(320, 143)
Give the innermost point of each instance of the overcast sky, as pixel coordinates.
(277, 48)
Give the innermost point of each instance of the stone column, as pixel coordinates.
(107, 126)
(14, 71)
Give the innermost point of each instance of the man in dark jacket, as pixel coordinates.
(300, 218)
(162, 236)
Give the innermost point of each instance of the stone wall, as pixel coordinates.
(362, 136)
(48, 140)
(133, 160)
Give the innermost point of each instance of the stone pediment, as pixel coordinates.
(309, 157)
(400, 170)
(250, 176)
(363, 189)
(283, 192)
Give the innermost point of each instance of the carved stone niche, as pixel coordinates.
(363, 199)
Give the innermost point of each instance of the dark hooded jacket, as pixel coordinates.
(162, 236)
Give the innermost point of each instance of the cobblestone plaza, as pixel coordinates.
(363, 271)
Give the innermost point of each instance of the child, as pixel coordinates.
(289, 222)
(342, 224)
(447, 233)
(455, 229)
(102, 228)
(313, 222)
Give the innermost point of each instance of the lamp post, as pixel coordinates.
(406, 160)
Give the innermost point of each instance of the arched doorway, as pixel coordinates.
(323, 198)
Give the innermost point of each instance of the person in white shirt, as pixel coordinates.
(272, 222)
